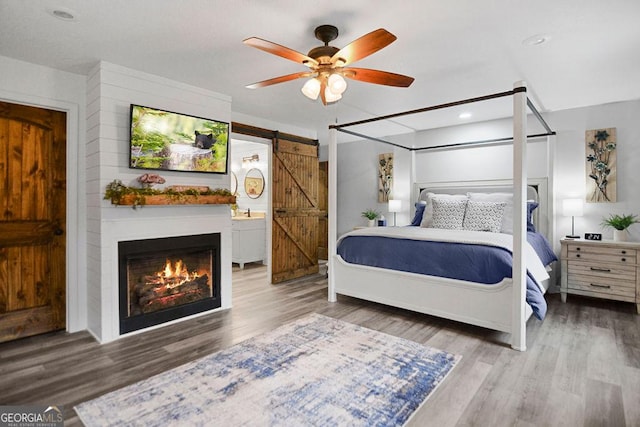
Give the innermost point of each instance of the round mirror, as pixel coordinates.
(254, 183)
(233, 186)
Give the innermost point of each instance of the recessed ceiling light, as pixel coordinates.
(536, 40)
(464, 115)
(62, 13)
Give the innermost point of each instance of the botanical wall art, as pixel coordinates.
(601, 165)
(385, 177)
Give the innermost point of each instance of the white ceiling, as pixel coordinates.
(455, 49)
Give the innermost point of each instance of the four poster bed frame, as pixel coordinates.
(501, 306)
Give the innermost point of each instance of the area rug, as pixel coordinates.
(315, 371)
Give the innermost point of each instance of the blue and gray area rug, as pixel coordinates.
(315, 371)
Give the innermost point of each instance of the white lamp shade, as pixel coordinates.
(395, 205)
(336, 84)
(311, 88)
(572, 207)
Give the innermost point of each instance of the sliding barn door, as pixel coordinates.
(295, 210)
(32, 221)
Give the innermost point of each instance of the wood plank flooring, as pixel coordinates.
(582, 366)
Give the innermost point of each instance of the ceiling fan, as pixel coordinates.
(328, 64)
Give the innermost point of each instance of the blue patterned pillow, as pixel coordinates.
(417, 218)
(448, 213)
(484, 216)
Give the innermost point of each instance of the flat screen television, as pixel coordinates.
(167, 141)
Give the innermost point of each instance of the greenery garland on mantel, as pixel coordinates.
(120, 194)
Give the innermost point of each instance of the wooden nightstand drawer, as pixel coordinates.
(607, 271)
(600, 250)
(590, 253)
(602, 286)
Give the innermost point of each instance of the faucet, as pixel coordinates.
(249, 212)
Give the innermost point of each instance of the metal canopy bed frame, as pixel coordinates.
(500, 307)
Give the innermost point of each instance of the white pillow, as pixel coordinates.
(507, 198)
(483, 216)
(448, 213)
(427, 217)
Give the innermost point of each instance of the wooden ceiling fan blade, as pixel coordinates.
(364, 46)
(281, 51)
(378, 77)
(280, 79)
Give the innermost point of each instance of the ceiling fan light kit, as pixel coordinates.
(336, 84)
(327, 64)
(311, 88)
(330, 96)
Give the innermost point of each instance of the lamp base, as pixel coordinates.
(572, 237)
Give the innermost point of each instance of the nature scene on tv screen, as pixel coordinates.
(175, 142)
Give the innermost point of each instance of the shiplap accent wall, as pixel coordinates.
(111, 89)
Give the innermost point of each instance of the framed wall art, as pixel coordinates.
(385, 177)
(601, 149)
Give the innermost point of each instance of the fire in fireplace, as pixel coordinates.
(167, 278)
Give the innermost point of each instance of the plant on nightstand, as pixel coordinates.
(620, 223)
(371, 216)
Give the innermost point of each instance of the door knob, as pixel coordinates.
(58, 231)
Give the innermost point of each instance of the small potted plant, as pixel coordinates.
(371, 216)
(620, 223)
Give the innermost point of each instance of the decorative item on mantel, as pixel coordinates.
(620, 225)
(148, 180)
(120, 194)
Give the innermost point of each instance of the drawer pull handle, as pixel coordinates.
(624, 252)
(577, 249)
(600, 286)
(577, 255)
(604, 270)
(624, 259)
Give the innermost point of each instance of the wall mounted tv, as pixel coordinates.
(167, 141)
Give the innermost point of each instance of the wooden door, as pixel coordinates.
(323, 206)
(294, 196)
(32, 221)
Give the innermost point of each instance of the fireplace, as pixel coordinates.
(167, 278)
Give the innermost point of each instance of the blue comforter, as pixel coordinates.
(462, 261)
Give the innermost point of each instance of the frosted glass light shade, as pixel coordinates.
(572, 207)
(337, 84)
(330, 96)
(311, 89)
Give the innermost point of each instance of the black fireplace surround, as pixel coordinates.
(169, 248)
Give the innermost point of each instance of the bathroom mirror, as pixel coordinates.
(254, 183)
(233, 186)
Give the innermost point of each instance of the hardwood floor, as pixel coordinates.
(582, 366)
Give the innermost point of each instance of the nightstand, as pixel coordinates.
(601, 269)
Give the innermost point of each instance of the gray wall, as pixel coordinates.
(357, 174)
